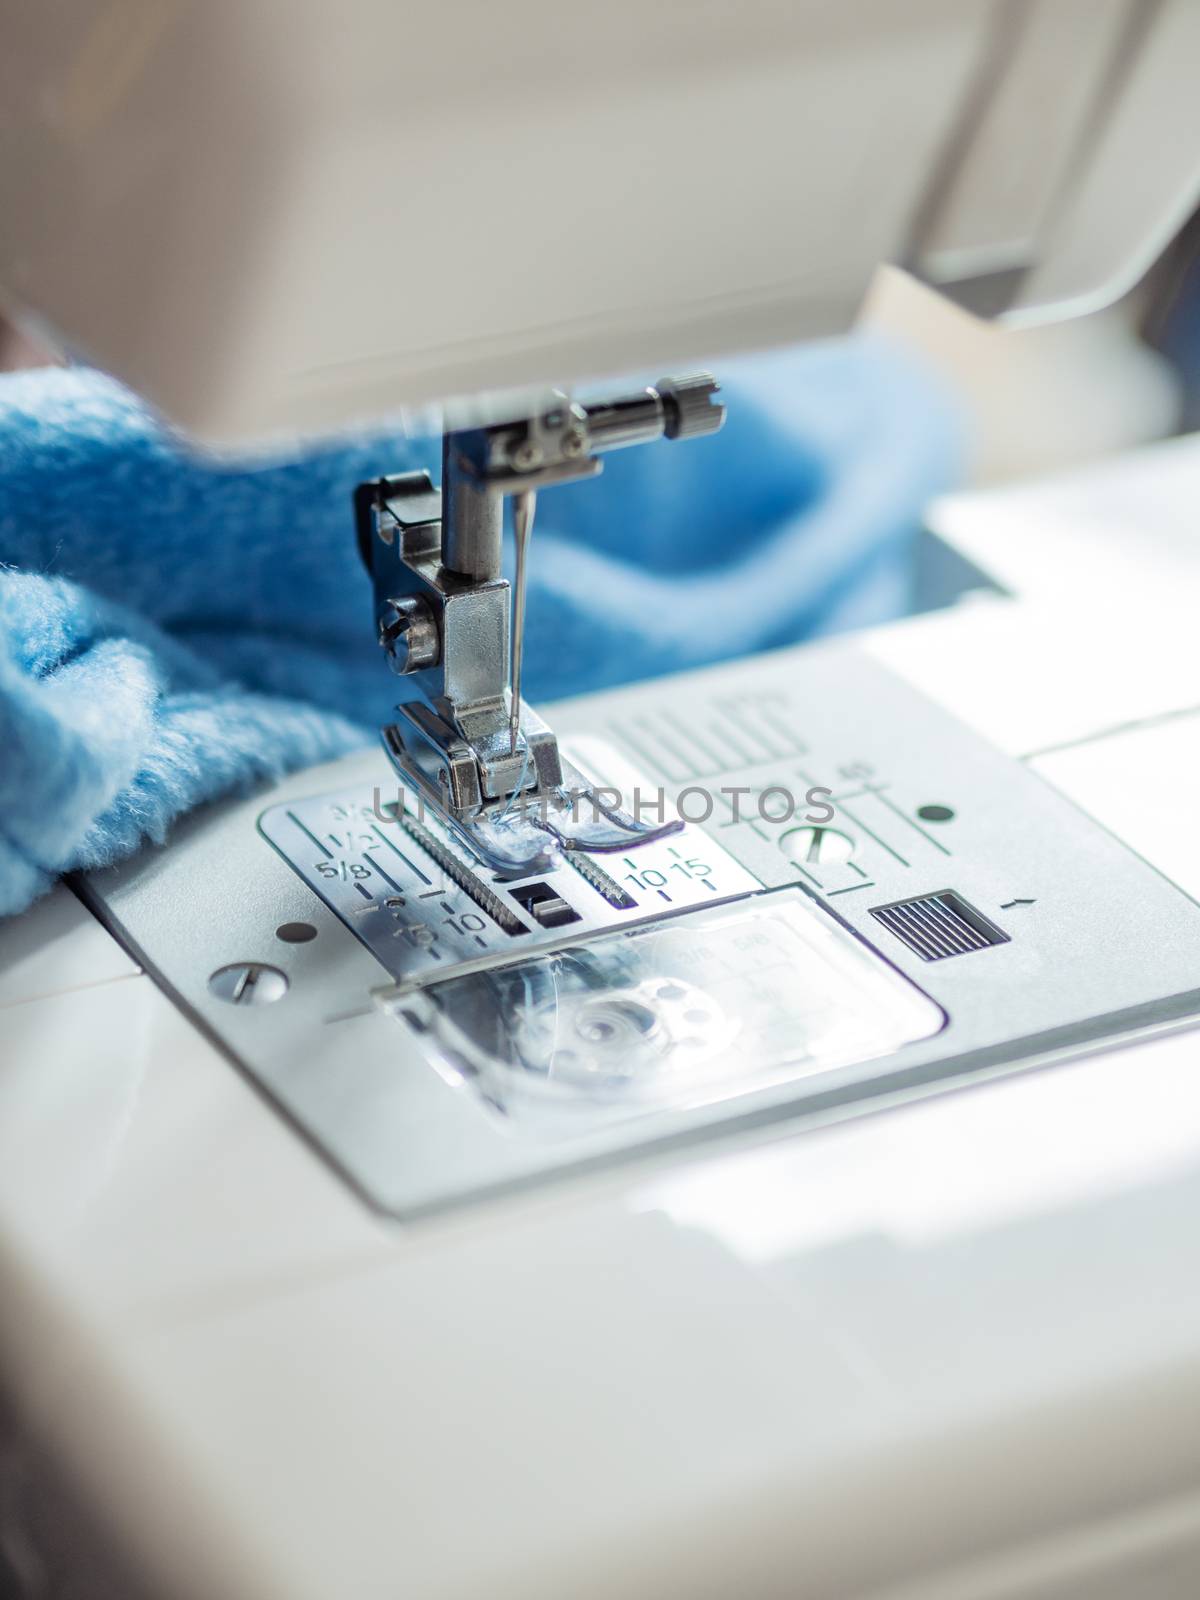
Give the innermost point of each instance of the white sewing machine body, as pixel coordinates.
(956, 1309)
(282, 216)
(334, 1294)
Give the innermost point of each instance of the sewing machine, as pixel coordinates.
(612, 1148)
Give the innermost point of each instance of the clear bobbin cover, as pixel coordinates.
(671, 1014)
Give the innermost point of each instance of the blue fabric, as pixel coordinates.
(172, 630)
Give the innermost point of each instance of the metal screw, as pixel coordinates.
(526, 455)
(813, 844)
(248, 983)
(408, 634)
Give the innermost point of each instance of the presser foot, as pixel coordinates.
(550, 807)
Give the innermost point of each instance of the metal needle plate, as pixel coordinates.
(422, 906)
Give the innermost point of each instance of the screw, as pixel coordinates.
(248, 983)
(408, 634)
(814, 845)
(525, 456)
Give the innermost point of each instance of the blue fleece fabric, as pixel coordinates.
(173, 630)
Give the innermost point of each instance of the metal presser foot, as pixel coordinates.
(484, 763)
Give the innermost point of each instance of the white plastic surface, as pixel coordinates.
(57, 946)
(273, 216)
(1105, 563)
(1144, 785)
